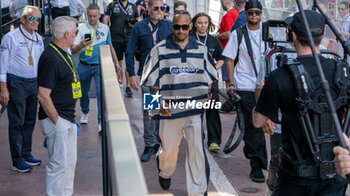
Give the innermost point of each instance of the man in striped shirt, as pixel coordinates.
(180, 68)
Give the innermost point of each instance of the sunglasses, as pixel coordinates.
(38, 19)
(184, 27)
(76, 32)
(256, 12)
(156, 8)
(341, 9)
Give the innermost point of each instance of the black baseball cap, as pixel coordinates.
(314, 19)
(253, 4)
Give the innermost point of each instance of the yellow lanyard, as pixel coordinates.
(93, 33)
(69, 65)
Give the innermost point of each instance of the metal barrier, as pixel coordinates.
(122, 172)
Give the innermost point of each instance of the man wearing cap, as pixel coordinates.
(299, 173)
(242, 77)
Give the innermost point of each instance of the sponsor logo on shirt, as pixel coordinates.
(183, 71)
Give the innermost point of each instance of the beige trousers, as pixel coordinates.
(171, 132)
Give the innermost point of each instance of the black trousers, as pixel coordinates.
(213, 119)
(56, 12)
(22, 111)
(290, 186)
(275, 143)
(254, 148)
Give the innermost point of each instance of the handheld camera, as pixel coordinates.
(231, 102)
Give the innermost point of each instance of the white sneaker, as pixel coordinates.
(84, 118)
(99, 127)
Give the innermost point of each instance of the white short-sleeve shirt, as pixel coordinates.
(244, 76)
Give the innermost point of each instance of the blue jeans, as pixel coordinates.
(85, 75)
(223, 71)
(151, 125)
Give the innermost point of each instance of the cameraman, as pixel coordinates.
(244, 77)
(298, 173)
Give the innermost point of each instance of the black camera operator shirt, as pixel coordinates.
(119, 16)
(279, 93)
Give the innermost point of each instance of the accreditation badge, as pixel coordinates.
(89, 50)
(262, 59)
(76, 89)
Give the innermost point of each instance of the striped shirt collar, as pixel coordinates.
(192, 43)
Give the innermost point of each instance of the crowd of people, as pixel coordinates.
(178, 60)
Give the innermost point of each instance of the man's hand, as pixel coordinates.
(342, 158)
(117, 67)
(269, 128)
(85, 42)
(134, 82)
(164, 112)
(4, 93)
(229, 88)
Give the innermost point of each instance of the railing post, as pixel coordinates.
(105, 173)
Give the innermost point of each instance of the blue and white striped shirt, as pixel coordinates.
(180, 74)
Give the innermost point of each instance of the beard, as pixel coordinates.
(254, 23)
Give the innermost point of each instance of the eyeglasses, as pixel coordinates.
(256, 12)
(156, 8)
(184, 27)
(341, 9)
(38, 19)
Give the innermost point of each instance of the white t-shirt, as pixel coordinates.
(76, 7)
(59, 3)
(244, 76)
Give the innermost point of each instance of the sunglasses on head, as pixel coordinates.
(256, 12)
(38, 19)
(156, 8)
(184, 27)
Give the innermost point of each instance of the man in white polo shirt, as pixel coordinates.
(19, 56)
(90, 36)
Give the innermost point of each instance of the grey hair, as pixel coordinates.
(63, 24)
(151, 2)
(29, 9)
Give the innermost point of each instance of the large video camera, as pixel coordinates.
(276, 31)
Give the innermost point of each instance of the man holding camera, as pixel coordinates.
(242, 76)
(303, 171)
(121, 16)
(90, 36)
